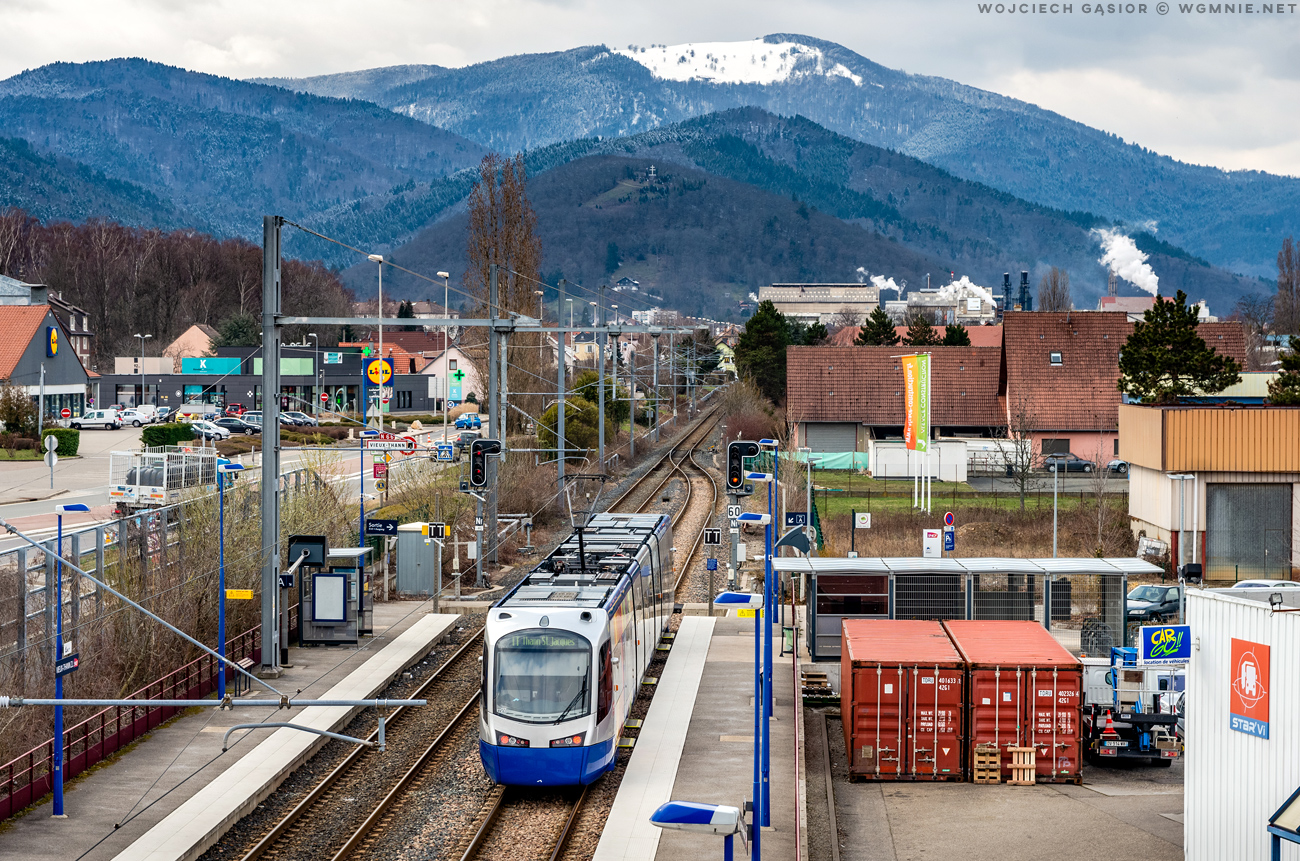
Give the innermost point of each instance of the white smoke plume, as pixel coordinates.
(964, 288)
(1120, 254)
(753, 297)
(878, 281)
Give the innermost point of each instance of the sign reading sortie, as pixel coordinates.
(916, 392)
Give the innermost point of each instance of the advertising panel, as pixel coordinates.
(1248, 692)
(211, 365)
(916, 393)
(1166, 644)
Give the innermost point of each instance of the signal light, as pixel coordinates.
(737, 451)
(479, 450)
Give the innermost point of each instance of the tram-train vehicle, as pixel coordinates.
(564, 651)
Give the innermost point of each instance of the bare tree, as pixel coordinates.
(1016, 446)
(845, 318)
(1255, 313)
(1099, 484)
(1286, 312)
(503, 230)
(1054, 291)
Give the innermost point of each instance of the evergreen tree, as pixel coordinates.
(1285, 390)
(241, 330)
(611, 259)
(877, 331)
(921, 332)
(406, 311)
(760, 352)
(956, 336)
(1165, 360)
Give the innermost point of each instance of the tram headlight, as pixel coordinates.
(574, 740)
(510, 741)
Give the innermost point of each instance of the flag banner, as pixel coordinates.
(916, 391)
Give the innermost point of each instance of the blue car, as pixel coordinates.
(469, 421)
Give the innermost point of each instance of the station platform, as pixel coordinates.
(174, 793)
(697, 745)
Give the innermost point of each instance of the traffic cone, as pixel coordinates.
(1109, 730)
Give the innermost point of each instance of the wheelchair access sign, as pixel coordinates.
(1166, 645)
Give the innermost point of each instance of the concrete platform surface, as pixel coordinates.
(178, 777)
(648, 780)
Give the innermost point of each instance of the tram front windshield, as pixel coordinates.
(542, 676)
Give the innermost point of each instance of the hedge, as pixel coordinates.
(169, 434)
(69, 440)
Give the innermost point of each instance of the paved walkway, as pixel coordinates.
(174, 763)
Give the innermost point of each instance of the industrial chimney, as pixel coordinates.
(1026, 300)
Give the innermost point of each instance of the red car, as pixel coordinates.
(235, 410)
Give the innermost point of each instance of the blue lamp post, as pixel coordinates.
(58, 656)
(702, 819)
(222, 469)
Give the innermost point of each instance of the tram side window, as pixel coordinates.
(656, 567)
(605, 690)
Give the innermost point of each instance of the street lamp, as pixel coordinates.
(59, 655)
(142, 338)
(446, 334)
(379, 258)
(315, 395)
(222, 469)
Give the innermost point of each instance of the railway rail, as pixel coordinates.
(539, 821)
(333, 820)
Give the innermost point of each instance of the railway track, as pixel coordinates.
(537, 822)
(344, 813)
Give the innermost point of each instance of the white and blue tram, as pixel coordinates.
(564, 651)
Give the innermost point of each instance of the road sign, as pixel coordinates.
(796, 518)
(381, 484)
(51, 443)
(478, 523)
(65, 413)
(239, 594)
(381, 470)
(444, 451)
(733, 511)
(948, 519)
(384, 401)
(67, 664)
(386, 457)
(862, 520)
(710, 565)
(381, 527)
(405, 444)
(51, 459)
(949, 539)
(324, 397)
(712, 537)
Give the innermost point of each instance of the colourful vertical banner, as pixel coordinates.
(916, 391)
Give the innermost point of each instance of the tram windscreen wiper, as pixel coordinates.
(576, 700)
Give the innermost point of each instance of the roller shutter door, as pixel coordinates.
(1247, 531)
(832, 436)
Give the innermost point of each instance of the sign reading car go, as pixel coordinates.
(378, 372)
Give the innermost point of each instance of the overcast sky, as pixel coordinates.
(1221, 89)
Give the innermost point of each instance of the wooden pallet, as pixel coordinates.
(987, 767)
(1023, 766)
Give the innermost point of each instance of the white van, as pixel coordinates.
(106, 419)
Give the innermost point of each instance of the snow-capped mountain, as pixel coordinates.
(756, 62)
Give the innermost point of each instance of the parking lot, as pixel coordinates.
(1118, 814)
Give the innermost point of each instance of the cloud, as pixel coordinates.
(1121, 255)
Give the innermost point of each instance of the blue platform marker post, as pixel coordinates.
(59, 656)
(746, 599)
(769, 593)
(700, 818)
(223, 468)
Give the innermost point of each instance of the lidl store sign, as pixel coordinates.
(1248, 693)
(1166, 644)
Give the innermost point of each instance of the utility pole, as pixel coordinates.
(659, 401)
(495, 419)
(559, 388)
(602, 339)
(271, 225)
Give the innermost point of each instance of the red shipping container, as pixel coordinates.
(901, 689)
(1025, 690)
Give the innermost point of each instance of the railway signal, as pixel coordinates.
(479, 450)
(737, 451)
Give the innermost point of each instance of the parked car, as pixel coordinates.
(254, 416)
(106, 419)
(300, 418)
(1154, 603)
(135, 418)
(207, 430)
(235, 425)
(1119, 467)
(1068, 462)
(163, 414)
(235, 410)
(469, 421)
(1262, 584)
(464, 439)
